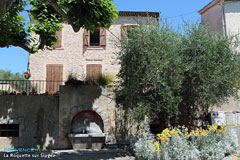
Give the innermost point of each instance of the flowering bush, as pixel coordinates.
(180, 143)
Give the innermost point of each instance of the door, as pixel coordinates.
(54, 78)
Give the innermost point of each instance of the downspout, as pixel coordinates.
(224, 19)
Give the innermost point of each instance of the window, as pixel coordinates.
(59, 43)
(96, 38)
(9, 130)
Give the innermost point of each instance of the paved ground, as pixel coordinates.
(113, 154)
(116, 154)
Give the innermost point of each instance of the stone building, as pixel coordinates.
(78, 116)
(222, 16)
(84, 54)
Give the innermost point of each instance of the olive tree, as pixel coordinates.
(170, 76)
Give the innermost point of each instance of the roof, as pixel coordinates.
(209, 6)
(138, 14)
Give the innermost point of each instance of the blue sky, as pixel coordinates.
(15, 59)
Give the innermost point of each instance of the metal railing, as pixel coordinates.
(29, 87)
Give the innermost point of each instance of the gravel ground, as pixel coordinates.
(115, 154)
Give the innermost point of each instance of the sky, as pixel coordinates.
(15, 59)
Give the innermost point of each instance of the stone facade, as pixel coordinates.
(74, 100)
(45, 120)
(74, 56)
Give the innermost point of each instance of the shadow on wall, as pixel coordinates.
(45, 120)
(37, 117)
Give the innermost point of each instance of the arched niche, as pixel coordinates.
(87, 121)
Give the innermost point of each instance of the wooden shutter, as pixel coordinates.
(103, 37)
(123, 30)
(59, 43)
(93, 70)
(54, 77)
(86, 38)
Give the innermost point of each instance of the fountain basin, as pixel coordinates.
(87, 141)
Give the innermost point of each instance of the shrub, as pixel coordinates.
(72, 77)
(104, 80)
(144, 147)
(180, 143)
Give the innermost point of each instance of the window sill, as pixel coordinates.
(8, 137)
(57, 48)
(95, 48)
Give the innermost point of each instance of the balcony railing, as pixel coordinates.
(29, 87)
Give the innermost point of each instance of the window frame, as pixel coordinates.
(13, 132)
(99, 39)
(102, 39)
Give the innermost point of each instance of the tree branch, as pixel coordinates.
(4, 6)
(22, 45)
(62, 12)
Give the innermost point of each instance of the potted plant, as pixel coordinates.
(27, 75)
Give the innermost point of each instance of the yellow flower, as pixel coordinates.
(150, 146)
(157, 146)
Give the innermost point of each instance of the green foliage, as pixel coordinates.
(151, 70)
(104, 80)
(90, 14)
(163, 71)
(72, 77)
(12, 29)
(7, 75)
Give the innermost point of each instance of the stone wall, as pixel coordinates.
(75, 56)
(74, 99)
(37, 117)
(45, 121)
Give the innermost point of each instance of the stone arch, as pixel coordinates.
(91, 107)
(87, 121)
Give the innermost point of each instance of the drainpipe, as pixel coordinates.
(224, 19)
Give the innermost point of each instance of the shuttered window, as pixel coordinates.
(86, 38)
(54, 77)
(93, 70)
(103, 37)
(96, 38)
(59, 43)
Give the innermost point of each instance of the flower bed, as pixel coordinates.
(179, 143)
